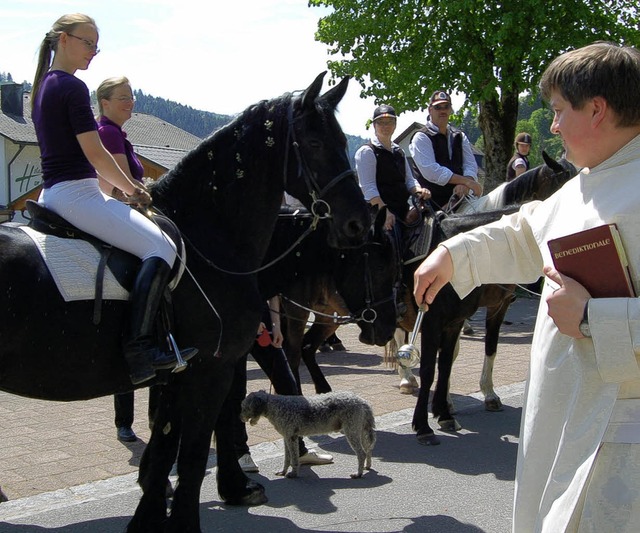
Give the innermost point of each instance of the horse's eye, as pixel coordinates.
(315, 143)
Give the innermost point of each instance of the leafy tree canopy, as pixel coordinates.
(402, 50)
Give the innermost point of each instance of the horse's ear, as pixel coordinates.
(551, 163)
(335, 94)
(313, 91)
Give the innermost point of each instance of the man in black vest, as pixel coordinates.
(383, 172)
(519, 162)
(442, 156)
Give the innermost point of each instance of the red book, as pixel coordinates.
(594, 257)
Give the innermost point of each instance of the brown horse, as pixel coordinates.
(358, 285)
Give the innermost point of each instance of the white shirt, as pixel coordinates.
(421, 150)
(581, 392)
(366, 166)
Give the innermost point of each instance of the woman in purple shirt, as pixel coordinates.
(115, 105)
(71, 153)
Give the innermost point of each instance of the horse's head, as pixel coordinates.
(540, 182)
(368, 279)
(318, 172)
(553, 175)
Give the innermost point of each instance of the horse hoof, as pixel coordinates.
(407, 385)
(406, 388)
(449, 425)
(254, 494)
(428, 439)
(493, 405)
(257, 497)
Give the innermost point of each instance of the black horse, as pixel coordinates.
(358, 284)
(225, 197)
(443, 322)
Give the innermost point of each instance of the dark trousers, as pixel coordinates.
(123, 407)
(273, 362)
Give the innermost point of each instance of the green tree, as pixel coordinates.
(402, 50)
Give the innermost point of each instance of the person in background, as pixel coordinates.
(383, 171)
(115, 106)
(442, 156)
(519, 162)
(578, 466)
(387, 180)
(71, 152)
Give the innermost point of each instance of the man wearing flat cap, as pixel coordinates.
(519, 162)
(383, 171)
(443, 159)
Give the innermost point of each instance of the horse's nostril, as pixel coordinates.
(355, 228)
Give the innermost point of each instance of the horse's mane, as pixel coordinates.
(539, 182)
(228, 154)
(451, 225)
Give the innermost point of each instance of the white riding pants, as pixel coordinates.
(82, 203)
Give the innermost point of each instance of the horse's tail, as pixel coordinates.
(391, 348)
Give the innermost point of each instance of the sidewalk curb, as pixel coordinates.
(104, 489)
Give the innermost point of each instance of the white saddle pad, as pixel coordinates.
(73, 263)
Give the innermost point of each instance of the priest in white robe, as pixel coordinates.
(578, 464)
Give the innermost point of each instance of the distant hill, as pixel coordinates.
(196, 122)
(199, 123)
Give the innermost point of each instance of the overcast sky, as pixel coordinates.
(210, 57)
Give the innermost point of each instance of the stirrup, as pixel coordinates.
(181, 363)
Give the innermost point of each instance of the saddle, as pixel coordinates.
(123, 265)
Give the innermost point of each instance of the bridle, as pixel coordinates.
(368, 313)
(319, 209)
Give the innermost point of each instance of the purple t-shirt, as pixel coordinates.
(116, 142)
(62, 110)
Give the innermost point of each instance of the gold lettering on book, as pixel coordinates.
(583, 248)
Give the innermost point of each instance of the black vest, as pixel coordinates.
(390, 179)
(511, 172)
(440, 194)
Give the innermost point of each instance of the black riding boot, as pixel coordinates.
(141, 351)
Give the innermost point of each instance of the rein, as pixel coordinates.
(368, 313)
(319, 209)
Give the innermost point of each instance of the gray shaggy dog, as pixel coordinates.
(301, 416)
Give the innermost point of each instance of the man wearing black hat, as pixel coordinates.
(383, 171)
(519, 162)
(442, 156)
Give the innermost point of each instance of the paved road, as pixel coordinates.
(63, 453)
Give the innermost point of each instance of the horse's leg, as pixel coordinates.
(293, 321)
(312, 339)
(200, 412)
(456, 351)
(440, 405)
(157, 460)
(234, 487)
(420, 422)
(3, 496)
(408, 381)
(495, 317)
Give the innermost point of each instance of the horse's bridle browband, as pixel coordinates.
(319, 207)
